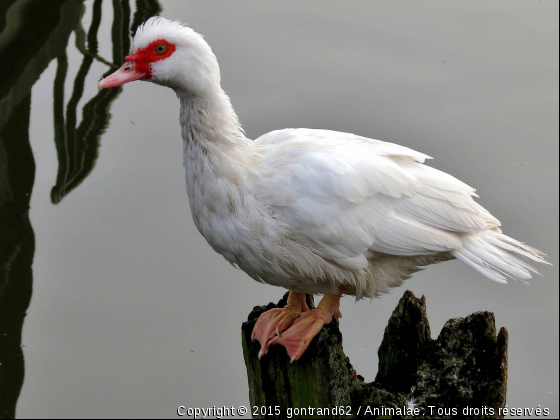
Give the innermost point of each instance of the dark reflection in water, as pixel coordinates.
(77, 147)
(32, 34)
(17, 246)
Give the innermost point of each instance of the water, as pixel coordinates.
(129, 312)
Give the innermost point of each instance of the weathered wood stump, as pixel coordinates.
(465, 368)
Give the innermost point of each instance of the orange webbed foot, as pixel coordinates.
(274, 321)
(297, 338)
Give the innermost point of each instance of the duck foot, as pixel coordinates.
(297, 338)
(273, 322)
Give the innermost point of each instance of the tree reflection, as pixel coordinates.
(17, 247)
(32, 34)
(78, 147)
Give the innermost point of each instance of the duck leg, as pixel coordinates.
(299, 335)
(274, 321)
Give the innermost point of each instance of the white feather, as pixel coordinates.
(320, 211)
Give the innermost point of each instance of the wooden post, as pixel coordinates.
(466, 367)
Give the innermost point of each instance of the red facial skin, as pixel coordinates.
(143, 57)
(142, 61)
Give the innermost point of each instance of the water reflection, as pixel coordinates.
(39, 32)
(17, 246)
(77, 147)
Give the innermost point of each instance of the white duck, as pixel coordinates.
(313, 211)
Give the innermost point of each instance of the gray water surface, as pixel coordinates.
(131, 312)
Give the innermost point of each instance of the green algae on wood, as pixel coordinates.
(465, 366)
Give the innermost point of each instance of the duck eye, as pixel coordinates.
(160, 49)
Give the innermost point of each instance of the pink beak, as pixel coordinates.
(127, 73)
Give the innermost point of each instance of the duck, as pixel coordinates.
(313, 211)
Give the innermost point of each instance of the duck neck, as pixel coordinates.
(215, 146)
(211, 119)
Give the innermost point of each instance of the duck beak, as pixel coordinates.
(127, 73)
